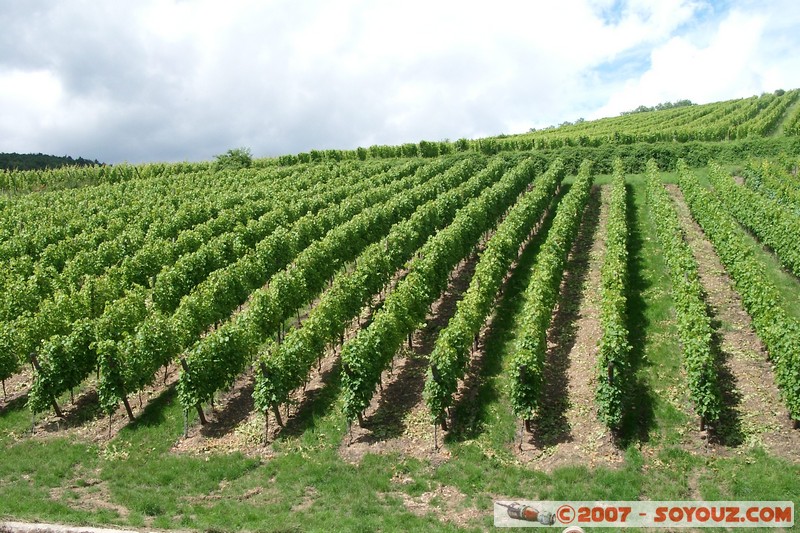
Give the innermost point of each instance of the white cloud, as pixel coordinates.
(169, 79)
(740, 57)
(29, 97)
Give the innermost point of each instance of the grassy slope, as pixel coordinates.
(137, 470)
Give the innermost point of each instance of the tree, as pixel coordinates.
(428, 149)
(234, 159)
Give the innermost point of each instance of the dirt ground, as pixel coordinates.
(24, 527)
(16, 387)
(567, 430)
(445, 502)
(232, 426)
(83, 418)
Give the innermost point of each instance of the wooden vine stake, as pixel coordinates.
(128, 409)
(277, 414)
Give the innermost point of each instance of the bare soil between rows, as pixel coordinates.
(566, 429)
(445, 502)
(15, 388)
(234, 425)
(397, 419)
(754, 413)
(84, 419)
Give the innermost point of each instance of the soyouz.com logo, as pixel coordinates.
(667, 514)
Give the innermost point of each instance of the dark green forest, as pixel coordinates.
(14, 161)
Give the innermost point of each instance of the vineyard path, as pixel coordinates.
(567, 429)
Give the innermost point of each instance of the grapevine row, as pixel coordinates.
(65, 360)
(527, 361)
(613, 369)
(180, 278)
(792, 124)
(224, 289)
(142, 236)
(56, 313)
(40, 248)
(779, 332)
(366, 355)
(286, 366)
(772, 181)
(450, 355)
(159, 338)
(152, 344)
(694, 323)
(93, 176)
(134, 255)
(42, 221)
(774, 226)
(768, 119)
(215, 362)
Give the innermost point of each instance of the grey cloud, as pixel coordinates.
(268, 80)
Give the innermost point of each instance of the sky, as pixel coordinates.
(179, 80)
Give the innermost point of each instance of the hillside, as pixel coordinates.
(393, 337)
(757, 116)
(675, 130)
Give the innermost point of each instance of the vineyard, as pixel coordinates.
(605, 309)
